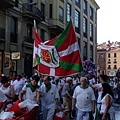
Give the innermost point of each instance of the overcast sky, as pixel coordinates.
(108, 21)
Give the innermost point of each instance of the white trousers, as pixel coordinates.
(48, 114)
(82, 116)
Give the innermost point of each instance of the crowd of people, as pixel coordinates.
(78, 98)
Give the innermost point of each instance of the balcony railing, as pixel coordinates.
(2, 33)
(28, 39)
(32, 11)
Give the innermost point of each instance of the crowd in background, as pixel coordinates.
(78, 98)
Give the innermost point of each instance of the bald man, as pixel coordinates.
(84, 99)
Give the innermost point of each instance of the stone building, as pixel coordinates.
(108, 57)
(52, 16)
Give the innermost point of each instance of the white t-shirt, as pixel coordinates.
(29, 94)
(48, 99)
(3, 98)
(18, 85)
(84, 98)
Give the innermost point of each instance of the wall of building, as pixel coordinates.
(49, 25)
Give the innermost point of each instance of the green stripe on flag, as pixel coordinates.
(38, 60)
(71, 66)
(62, 36)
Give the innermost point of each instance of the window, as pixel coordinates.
(85, 6)
(77, 2)
(91, 31)
(29, 34)
(115, 55)
(85, 50)
(85, 27)
(115, 61)
(43, 11)
(108, 55)
(77, 26)
(42, 34)
(68, 12)
(61, 14)
(115, 67)
(109, 67)
(91, 13)
(50, 10)
(13, 30)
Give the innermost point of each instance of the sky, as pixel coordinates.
(108, 21)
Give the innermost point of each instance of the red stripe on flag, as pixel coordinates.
(69, 40)
(74, 57)
(63, 72)
(43, 69)
(37, 39)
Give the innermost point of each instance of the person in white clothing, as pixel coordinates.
(85, 100)
(8, 90)
(18, 85)
(107, 110)
(31, 90)
(49, 99)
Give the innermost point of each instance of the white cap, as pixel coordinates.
(68, 78)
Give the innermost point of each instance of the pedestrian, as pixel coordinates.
(67, 93)
(107, 110)
(3, 99)
(84, 100)
(31, 90)
(18, 85)
(49, 98)
(8, 91)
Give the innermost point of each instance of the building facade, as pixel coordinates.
(101, 61)
(108, 57)
(16, 29)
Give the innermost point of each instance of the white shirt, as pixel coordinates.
(103, 105)
(18, 85)
(84, 98)
(29, 94)
(3, 98)
(48, 99)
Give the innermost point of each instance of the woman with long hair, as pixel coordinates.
(107, 111)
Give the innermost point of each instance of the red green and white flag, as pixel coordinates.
(59, 56)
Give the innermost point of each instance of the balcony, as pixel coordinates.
(55, 25)
(5, 4)
(28, 42)
(31, 12)
(2, 34)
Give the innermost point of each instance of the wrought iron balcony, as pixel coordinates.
(28, 39)
(55, 25)
(31, 12)
(28, 42)
(7, 4)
